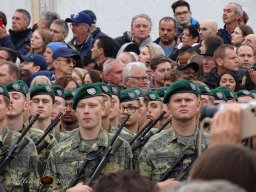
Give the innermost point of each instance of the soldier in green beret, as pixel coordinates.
(154, 107)
(58, 107)
(244, 96)
(206, 95)
(219, 96)
(161, 92)
(143, 106)
(89, 140)
(163, 150)
(69, 120)
(108, 106)
(42, 99)
(230, 95)
(130, 103)
(114, 116)
(22, 172)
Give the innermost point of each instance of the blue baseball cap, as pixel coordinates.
(65, 52)
(37, 59)
(80, 17)
(56, 45)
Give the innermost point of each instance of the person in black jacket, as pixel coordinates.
(19, 36)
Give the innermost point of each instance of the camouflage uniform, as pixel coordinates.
(23, 168)
(125, 133)
(35, 134)
(163, 149)
(67, 157)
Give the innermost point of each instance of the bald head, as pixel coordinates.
(250, 40)
(208, 27)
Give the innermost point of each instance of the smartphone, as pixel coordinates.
(1, 22)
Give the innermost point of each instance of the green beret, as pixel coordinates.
(114, 90)
(104, 88)
(128, 95)
(42, 89)
(138, 91)
(3, 91)
(204, 90)
(161, 91)
(228, 93)
(218, 94)
(58, 91)
(86, 91)
(181, 86)
(69, 94)
(244, 92)
(152, 96)
(18, 85)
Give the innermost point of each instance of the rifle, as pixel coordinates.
(110, 150)
(145, 139)
(41, 143)
(17, 146)
(138, 142)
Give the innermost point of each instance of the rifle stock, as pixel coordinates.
(139, 141)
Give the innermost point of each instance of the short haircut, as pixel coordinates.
(106, 65)
(12, 56)
(158, 60)
(49, 17)
(187, 49)
(168, 19)
(220, 52)
(25, 13)
(13, 69)
(142, 16)
(108, 45)
(3, 17)
(245, 45)
(180, 3)
(128, 68)
(238, 8)
(193, 30)
(63, 23)
(124, 181)
(212, 39)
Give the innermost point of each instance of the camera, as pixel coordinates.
(248, 117)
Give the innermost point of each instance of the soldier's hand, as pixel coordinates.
(167, 184)
(225, 126)
(80, 187)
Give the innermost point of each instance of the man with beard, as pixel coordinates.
(167, 33)
(68, 119)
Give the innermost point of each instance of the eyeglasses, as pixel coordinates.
(67, 60)
(182, 14)
(139, 78)
(129, 108)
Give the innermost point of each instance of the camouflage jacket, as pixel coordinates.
(67, 157)
(22, 170)
(125, 133)
(35, 134)
(163, 150)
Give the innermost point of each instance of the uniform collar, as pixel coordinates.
(101, 142)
